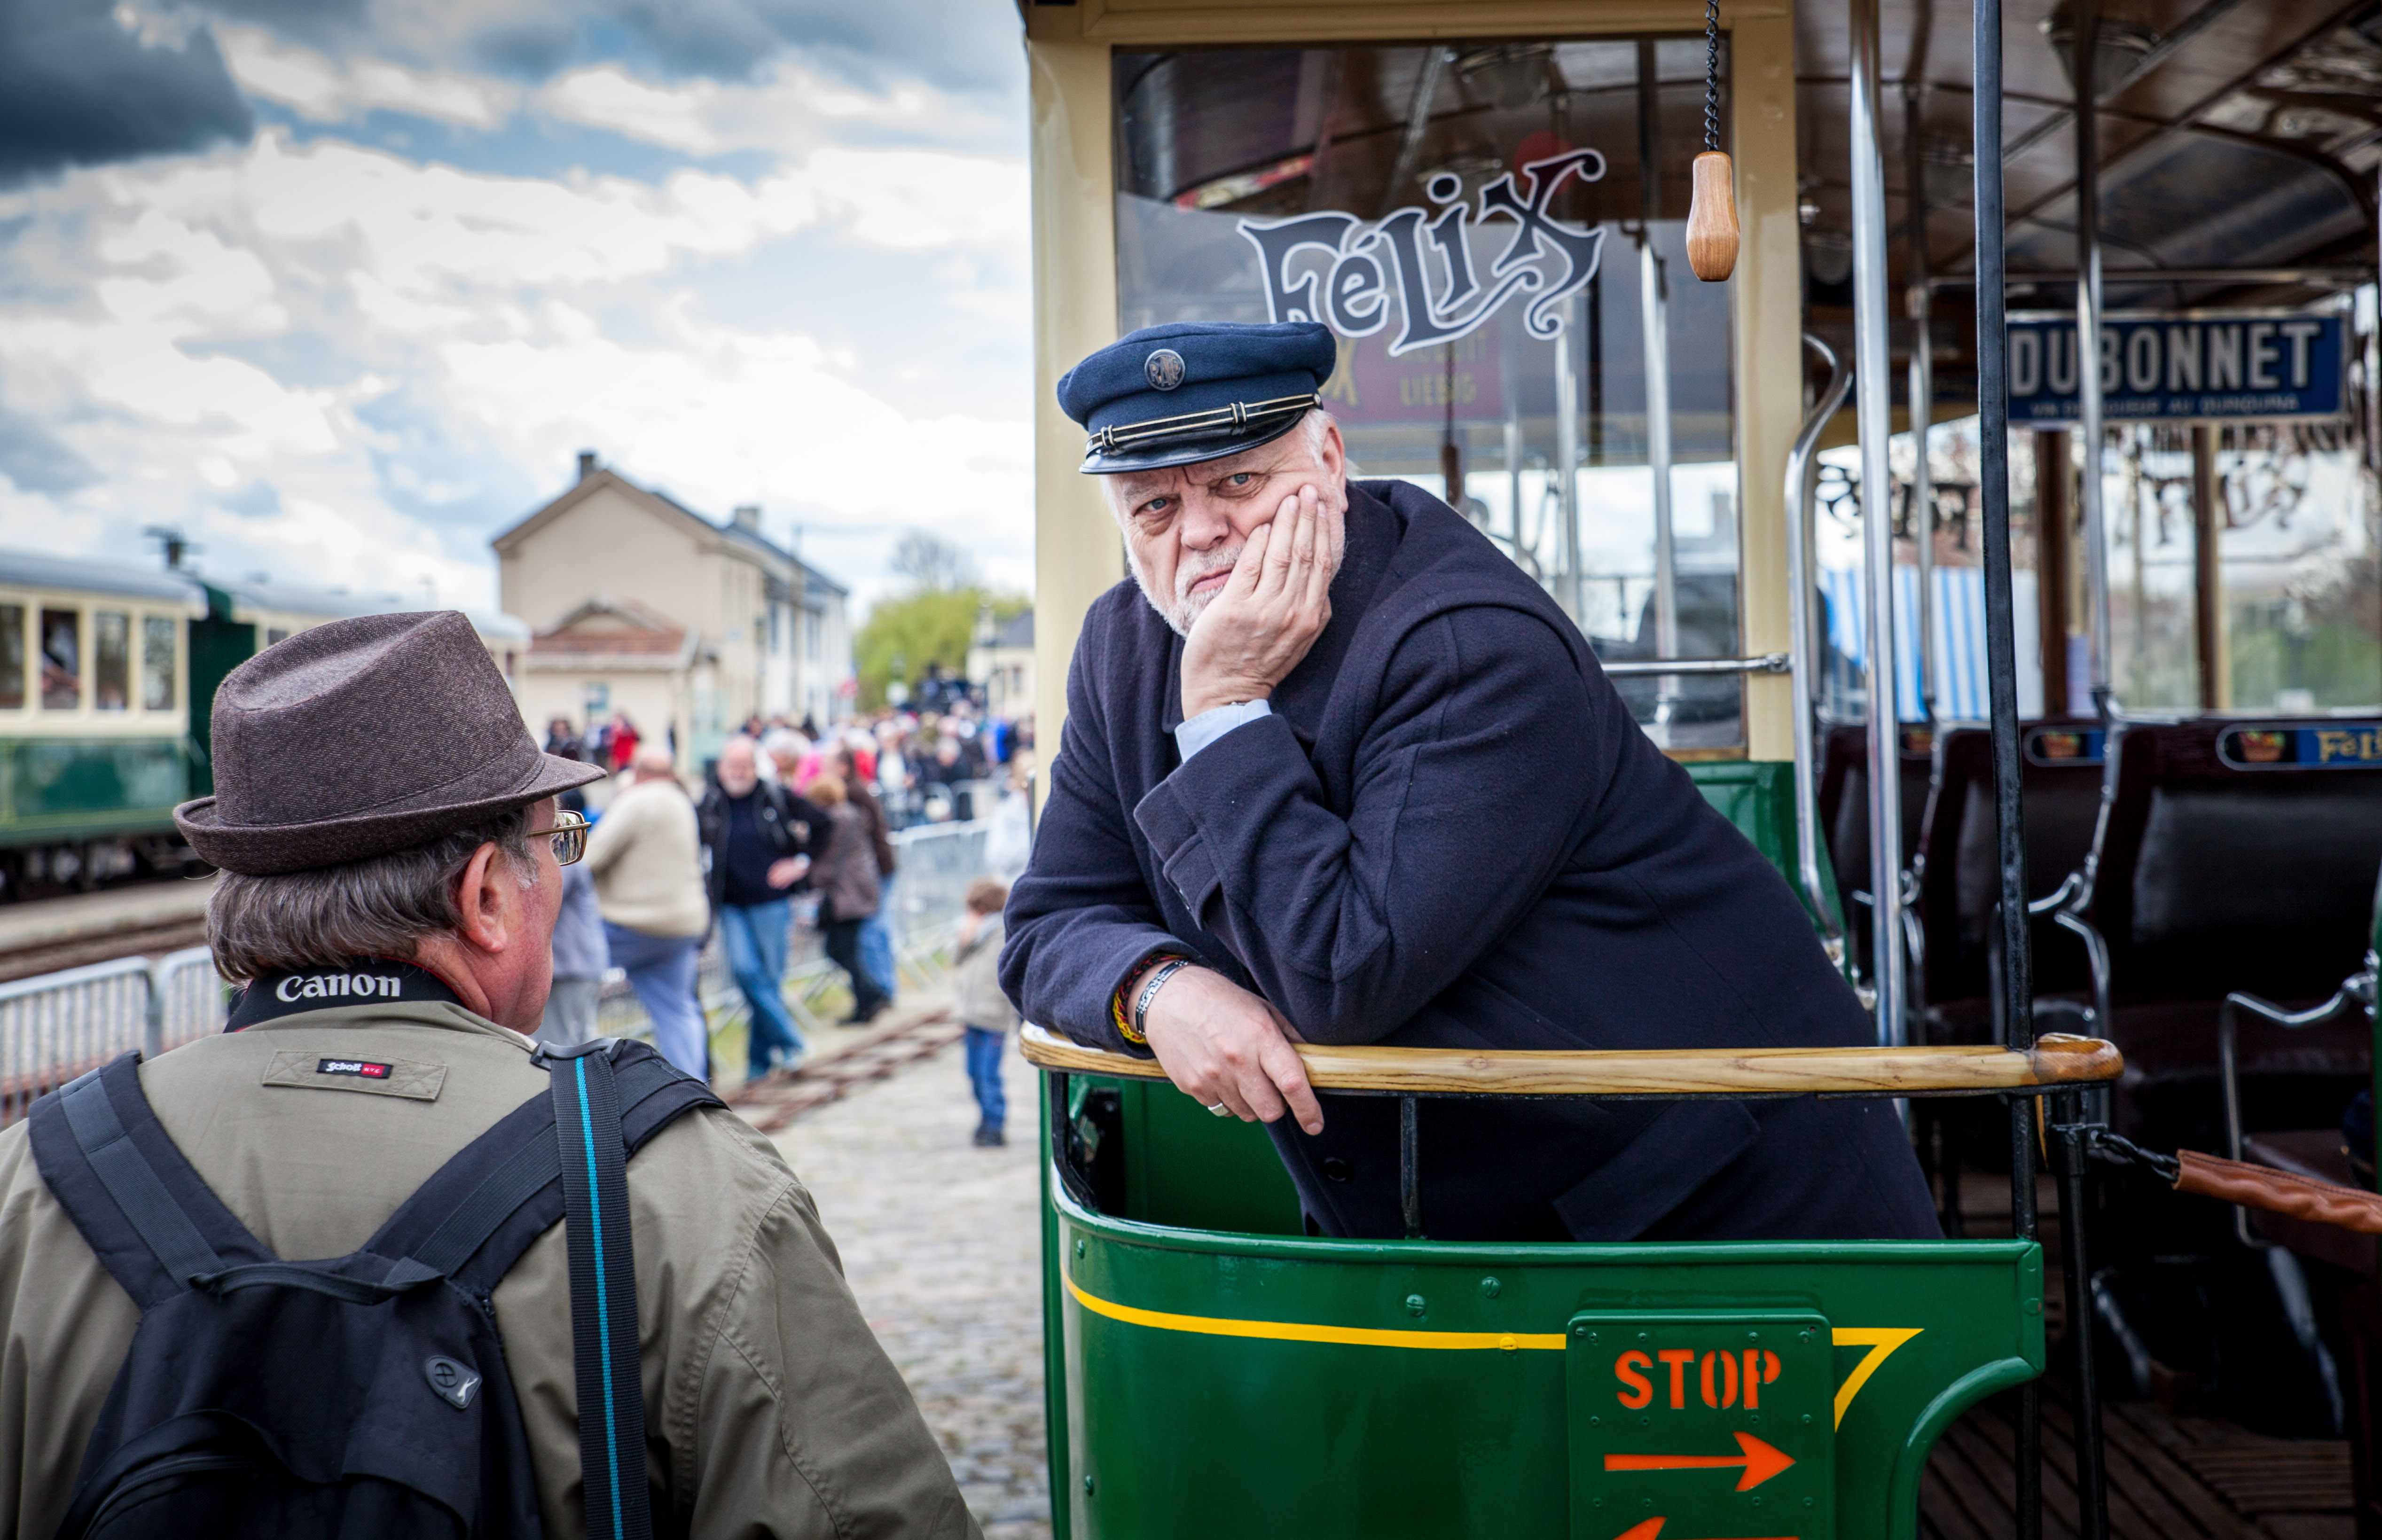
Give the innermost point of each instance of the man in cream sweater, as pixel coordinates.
(647, 855)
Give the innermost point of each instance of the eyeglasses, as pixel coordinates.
(569, 836)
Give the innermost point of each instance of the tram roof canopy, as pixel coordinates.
(2232, 133)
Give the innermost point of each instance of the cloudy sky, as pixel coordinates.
(339, 287)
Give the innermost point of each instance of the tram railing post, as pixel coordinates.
(2016, 974)
(2071, 1152)
(1410, 1165)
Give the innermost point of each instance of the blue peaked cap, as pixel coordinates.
(1194, 391)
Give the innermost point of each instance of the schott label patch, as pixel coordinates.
(375, 1077)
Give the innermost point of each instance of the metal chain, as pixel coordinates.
(1712, 74)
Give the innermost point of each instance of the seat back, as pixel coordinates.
(1844, 812)
(2241, 856)
(2061, 769)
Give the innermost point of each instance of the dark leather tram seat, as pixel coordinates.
(2238, 856)
(1958, 866)
(1843, 815)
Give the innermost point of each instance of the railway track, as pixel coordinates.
(50, 957)
(833, 1075)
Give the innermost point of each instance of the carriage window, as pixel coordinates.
(275, 634)
(111, 635)
(61, 659)
(1479, 224)
(157, 663)
(12, 657)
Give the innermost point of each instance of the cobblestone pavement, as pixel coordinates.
(939, 1241)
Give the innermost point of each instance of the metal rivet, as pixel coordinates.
(1079, 1248)
(1087, 1487)
(1757, 1502)
(1753, 1337)
(1807, 1418)
(1490, 1287)
(1807, 1502)
(1583, 1331)
(1415, 1304)
(1649, 1422)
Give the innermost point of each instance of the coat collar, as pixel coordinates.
(1374, 531)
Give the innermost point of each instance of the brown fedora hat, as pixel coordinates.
(363, 737)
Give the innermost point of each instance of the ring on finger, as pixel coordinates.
(1220, 1109)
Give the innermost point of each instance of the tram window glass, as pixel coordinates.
(111, 673)
(1377, 189)
(157, 663)
(61, 659)
(12, 657)
(2298, 533)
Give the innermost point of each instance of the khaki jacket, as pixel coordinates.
(647, 854)
(770, 1409)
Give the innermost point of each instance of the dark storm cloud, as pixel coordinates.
(36, 462)
(77, 89)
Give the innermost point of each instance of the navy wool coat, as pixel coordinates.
(1451, 833)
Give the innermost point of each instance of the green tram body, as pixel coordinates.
(1212, 1370)
(90, 776)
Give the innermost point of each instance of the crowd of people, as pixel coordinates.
(788, 828)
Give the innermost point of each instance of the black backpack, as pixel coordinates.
(365, 1396)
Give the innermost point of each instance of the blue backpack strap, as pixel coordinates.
(145, 1213)
(603, 1293)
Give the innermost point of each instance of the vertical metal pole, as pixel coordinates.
(1802, 645)
(2001, 677)
(1567, 465)
(1920, 303)
(1654, 311)
(1410, 1165)
(2084, 51)
(1873, 402)
(2091, 1480)
(2207, 573)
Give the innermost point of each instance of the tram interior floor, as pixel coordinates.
(2172, 1475)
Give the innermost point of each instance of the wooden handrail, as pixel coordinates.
(2056, 1059)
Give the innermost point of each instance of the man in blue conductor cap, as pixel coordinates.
(1334, 770)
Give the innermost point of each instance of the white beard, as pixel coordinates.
(1182, 609)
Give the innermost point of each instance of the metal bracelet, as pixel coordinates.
(1150, 991)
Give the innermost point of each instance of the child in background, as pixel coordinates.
(982, 1007)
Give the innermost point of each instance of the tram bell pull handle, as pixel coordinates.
(1712, 213)
(1712, 219)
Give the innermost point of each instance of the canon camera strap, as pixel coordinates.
(603, 1291)
(352, 981)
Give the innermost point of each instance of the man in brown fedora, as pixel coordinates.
(390, 851)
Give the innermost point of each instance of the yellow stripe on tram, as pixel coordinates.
(1881, 1341)
(1300, 1331)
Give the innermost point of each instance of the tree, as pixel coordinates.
(933, 565)
(905, 634)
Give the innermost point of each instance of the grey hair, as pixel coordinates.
(383, 907)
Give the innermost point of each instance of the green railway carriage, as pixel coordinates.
(106, 676)
(2122, 792)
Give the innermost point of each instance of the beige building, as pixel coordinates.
(638, 604)
(1002, 662)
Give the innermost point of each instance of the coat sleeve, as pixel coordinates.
(1467, 794)
(1081, 918)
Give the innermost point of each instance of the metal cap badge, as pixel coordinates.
(1162, 369)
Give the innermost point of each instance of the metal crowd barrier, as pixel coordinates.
(55, 1026)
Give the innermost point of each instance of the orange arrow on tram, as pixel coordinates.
(1653, 1527)
(1759, 1460)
